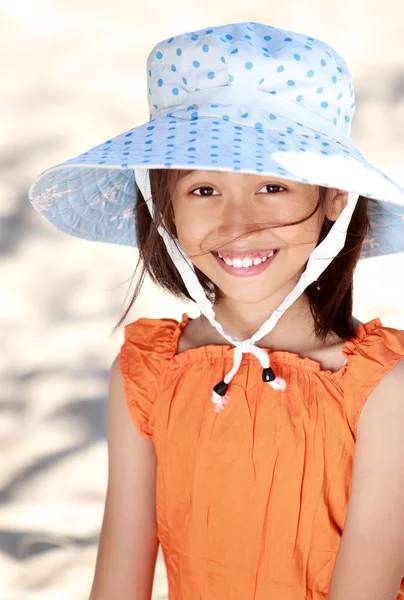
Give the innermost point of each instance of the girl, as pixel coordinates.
(245, 193)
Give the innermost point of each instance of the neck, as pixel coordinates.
(294, 332)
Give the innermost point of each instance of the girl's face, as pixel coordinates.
(212, 208)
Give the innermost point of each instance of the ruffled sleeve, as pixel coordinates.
(148, 346)
(371, 355)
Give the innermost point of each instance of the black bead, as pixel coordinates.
(268, 374)
(221, 388)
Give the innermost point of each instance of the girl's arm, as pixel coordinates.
(370, 559)
(128, 542)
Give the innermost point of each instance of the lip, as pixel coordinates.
(246, 271)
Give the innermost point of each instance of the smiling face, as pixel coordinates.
(251, 221)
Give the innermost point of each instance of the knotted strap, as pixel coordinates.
(219, 396)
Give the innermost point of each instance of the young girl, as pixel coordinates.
(245, 193)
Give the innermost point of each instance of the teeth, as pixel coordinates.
(245, 262)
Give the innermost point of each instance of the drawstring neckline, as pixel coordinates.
(219, 395)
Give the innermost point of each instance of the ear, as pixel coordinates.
(336, 202)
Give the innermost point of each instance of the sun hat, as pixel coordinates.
(243, 97)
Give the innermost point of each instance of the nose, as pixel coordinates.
(238, 217)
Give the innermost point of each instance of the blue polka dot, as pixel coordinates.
(129, 134)
(324, 152)
(223, 59)
(226, 118)
(261, 80)
(323, 62)
(191, 149)
(334, 79)
(244, 116)
(272, 116)
(209, 31)
(347, 119)
(258, 126)
(280, 68)
(297, 56)
(339, 69)
(339, 111)
(179, 51)
(184, 79)
(281, 143)
(325, 144)
(160, 82)
(273, 92)
(288, 39)
(308, 47)
(234, 51)
(170, 40)
(175, 91)
(173, 68)
(127, 143)
(231, 78)
(205, 48)
(265, 49)
(290, 130)
(249, 65)
(290, 82)
(194, 116)
(229, 37)
(266, 54)
(124, 165)
(149, 129)
(324, 104)
(247, 37)
(211, 75)
(310, 73)
(335, 120)
(299, 98)
(339, 96)
(194, 37)
(159, 54)
(319, 90)
(267, 38)
(196, 64)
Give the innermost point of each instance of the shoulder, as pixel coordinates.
(153, 336)
(385, 402)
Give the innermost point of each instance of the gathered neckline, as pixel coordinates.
(225, 351)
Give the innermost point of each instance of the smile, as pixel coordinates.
(246, 265)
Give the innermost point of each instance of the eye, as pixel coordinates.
(206, 188)
(272, 185)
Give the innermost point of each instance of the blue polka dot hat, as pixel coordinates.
(244, 97)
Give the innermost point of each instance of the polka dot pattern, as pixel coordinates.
(272, 69)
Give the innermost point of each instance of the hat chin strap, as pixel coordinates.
(319, 260)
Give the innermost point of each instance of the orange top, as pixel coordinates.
(251, 501)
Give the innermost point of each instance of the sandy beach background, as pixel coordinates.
(73, 75)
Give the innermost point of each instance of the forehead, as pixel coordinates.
(229, 177)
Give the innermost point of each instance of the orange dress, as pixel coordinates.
(251, 501)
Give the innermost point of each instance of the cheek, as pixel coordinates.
(191, 232)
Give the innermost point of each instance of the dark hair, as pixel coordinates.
(331, 307)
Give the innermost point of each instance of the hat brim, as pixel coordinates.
(92, 196)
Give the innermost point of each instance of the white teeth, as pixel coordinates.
(245, 262)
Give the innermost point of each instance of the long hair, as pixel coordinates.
(331, 307)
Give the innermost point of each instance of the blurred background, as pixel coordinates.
(72, 76)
